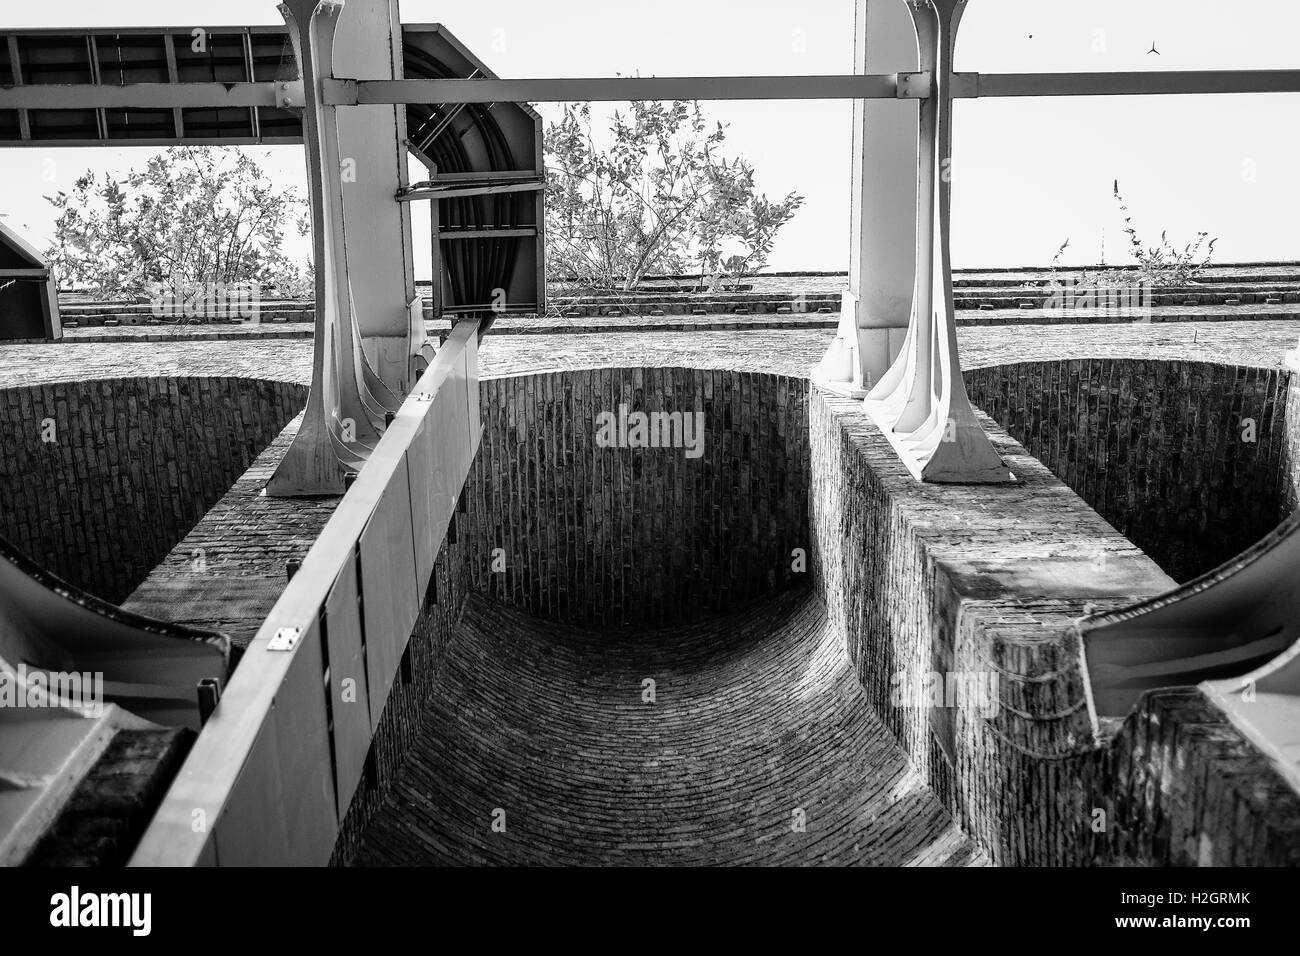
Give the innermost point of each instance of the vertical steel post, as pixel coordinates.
(921, 403)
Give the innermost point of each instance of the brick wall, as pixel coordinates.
(1181, 787)
(135, 463)
(611, 536)
(989, 580)
(916, 578)
(1157, 447)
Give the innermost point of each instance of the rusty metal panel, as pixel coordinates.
(349, 699)
(389, 600)
(303, 739)
(251, 831)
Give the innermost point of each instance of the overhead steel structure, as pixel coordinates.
(241, 86)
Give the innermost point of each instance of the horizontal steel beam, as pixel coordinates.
(620, 88)
(345, 92)
(421, 191)
(1124, 84)
(519, 233)
(86, 96)
(152, 141)
(341, 92)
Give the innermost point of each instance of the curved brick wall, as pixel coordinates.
(787, 704)
(755, 716)
(989, 581)
(1156, 447)
(134, 464)
(609, 535)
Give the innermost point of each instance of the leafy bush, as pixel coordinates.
(191, 215)
(1157, 266)
(659, 200)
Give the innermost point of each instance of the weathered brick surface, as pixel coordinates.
(101, 822)
(134, 463)
(1179, 786)
(754, 717)
(783, 352)
(1159, 448)
(989, 579)
(611, 536)
(228, 572)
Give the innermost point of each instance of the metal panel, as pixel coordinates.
(390, 604)
(472, 400)
(350, 702)
(302, 736)
(434, 488)
(209, 855)
(251, 830)
(426, 500)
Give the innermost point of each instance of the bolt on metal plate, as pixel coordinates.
(286, 639)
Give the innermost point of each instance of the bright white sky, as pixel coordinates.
(1028, 173)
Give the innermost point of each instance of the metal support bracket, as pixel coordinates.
(915, 86)
(285, 639)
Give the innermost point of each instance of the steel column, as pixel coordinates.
(921, 403)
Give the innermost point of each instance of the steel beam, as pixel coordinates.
(339, 427)
(372, 145)
(348, 92)
(440, 191)
(899, 85)
(921, 404)
(83, 96)
(876, 305)
(1176, 82)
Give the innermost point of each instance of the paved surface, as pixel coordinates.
(790, 351)
(758, 726)
(637, 319)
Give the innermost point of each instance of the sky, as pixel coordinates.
(1028, 173)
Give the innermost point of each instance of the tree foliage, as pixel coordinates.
(191, 215)
(1164, 265)
(661, 198)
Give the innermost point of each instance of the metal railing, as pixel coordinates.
(273, 771)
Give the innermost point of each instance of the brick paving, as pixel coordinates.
(758, 725)
(782, 351)
(720, 319)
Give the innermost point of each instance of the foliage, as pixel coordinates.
(659, 199)
(1163, 265)
(191, 215)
